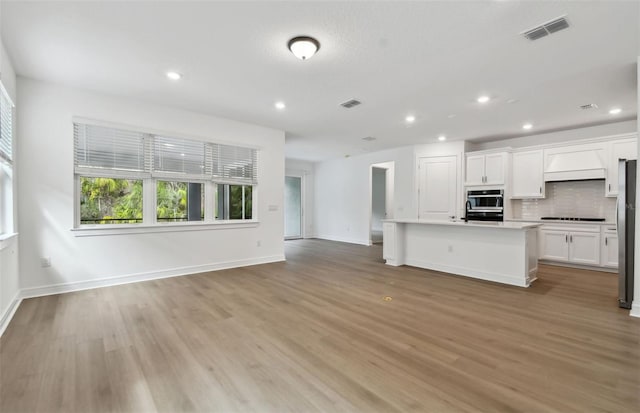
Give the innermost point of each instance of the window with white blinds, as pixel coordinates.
(176, 157)
(233, 164)
(6, 126)
(99, 149)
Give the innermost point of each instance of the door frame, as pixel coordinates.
(301, 175)
(390, 167)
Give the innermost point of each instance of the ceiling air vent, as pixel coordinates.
(589, 106)
(368, 138)
(350, 103)
(546, 29)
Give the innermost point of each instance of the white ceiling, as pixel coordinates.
(429, 59)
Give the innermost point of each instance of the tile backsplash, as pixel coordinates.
(583, 199)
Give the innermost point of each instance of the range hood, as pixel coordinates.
(573, 164)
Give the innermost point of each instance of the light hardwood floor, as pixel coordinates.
(314, 334)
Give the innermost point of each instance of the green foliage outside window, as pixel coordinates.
(110, 201)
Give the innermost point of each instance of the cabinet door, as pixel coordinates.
(438, 181)
(554, 245)
(584, 248)
(610, 250)
(475, 170)
(494, 168)
(527, 175)
(388, 240)
(622, 149)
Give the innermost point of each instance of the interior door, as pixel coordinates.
(292, 207)
(437, 187)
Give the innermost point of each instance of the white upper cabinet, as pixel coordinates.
(475, 170)
(486, 169)
(527, 175)
(619, 149)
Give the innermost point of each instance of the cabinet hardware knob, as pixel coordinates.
(566, 238)
(606, 241)
(570, 238)
(540, 189)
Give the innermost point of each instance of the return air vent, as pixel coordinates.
(589, 106)
(546, 29)
(368, 138)
(350, 103)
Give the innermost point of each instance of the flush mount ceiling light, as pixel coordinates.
(280, 105)
(303, 47)
(442, 138)
(174, 75)
(527, 126)
(410, 119)
(615, 111)
(483, 99)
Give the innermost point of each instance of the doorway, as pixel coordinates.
(381, 199)
(292, 207)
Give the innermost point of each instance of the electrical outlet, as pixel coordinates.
(450, 248)
(45, 262)
(258, 243)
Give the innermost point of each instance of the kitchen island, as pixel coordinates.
(504, 252)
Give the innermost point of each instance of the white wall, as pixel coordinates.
(295, 167)
(598, 131)
(46, 195)
(9, 276)
(342, 199)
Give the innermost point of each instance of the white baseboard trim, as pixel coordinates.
(344, 239)
(146, 276)
(10, 311)
(635, 310)
(481, 275)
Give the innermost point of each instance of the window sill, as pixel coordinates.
(7, 239)
(93, 231)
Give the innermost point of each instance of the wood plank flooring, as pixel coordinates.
(314, 334)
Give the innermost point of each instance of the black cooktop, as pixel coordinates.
(572, 219)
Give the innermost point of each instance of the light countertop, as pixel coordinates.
(476, 224)
(560, 222)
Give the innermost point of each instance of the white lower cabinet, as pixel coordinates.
(609, 247)
(389, 245)
(579, 245)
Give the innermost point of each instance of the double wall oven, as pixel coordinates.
(485, 205)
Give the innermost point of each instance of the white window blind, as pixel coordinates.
(235, 164)
(180, 158)
(6, 126)
(99, 149)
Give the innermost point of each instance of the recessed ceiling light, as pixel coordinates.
(527, 126)
(483, 99)
(174, 75)
(280, 105)
(303, 47)
(451, 116)
(615, 111)
(442, 138)
(182, 154)
(410, 119)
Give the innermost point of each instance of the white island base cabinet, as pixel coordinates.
(502, 252)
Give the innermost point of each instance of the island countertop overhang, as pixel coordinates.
(470, 224)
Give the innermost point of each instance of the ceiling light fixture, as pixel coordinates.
(303, 47)
(280, 105)
(615, 111)
(483, 99)
(174, 75)
(527, 126)
(410, 119)
(442, 138)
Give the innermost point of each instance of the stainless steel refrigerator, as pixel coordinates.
(626, 223)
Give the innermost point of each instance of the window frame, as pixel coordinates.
(7, 171)
(149, 198)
